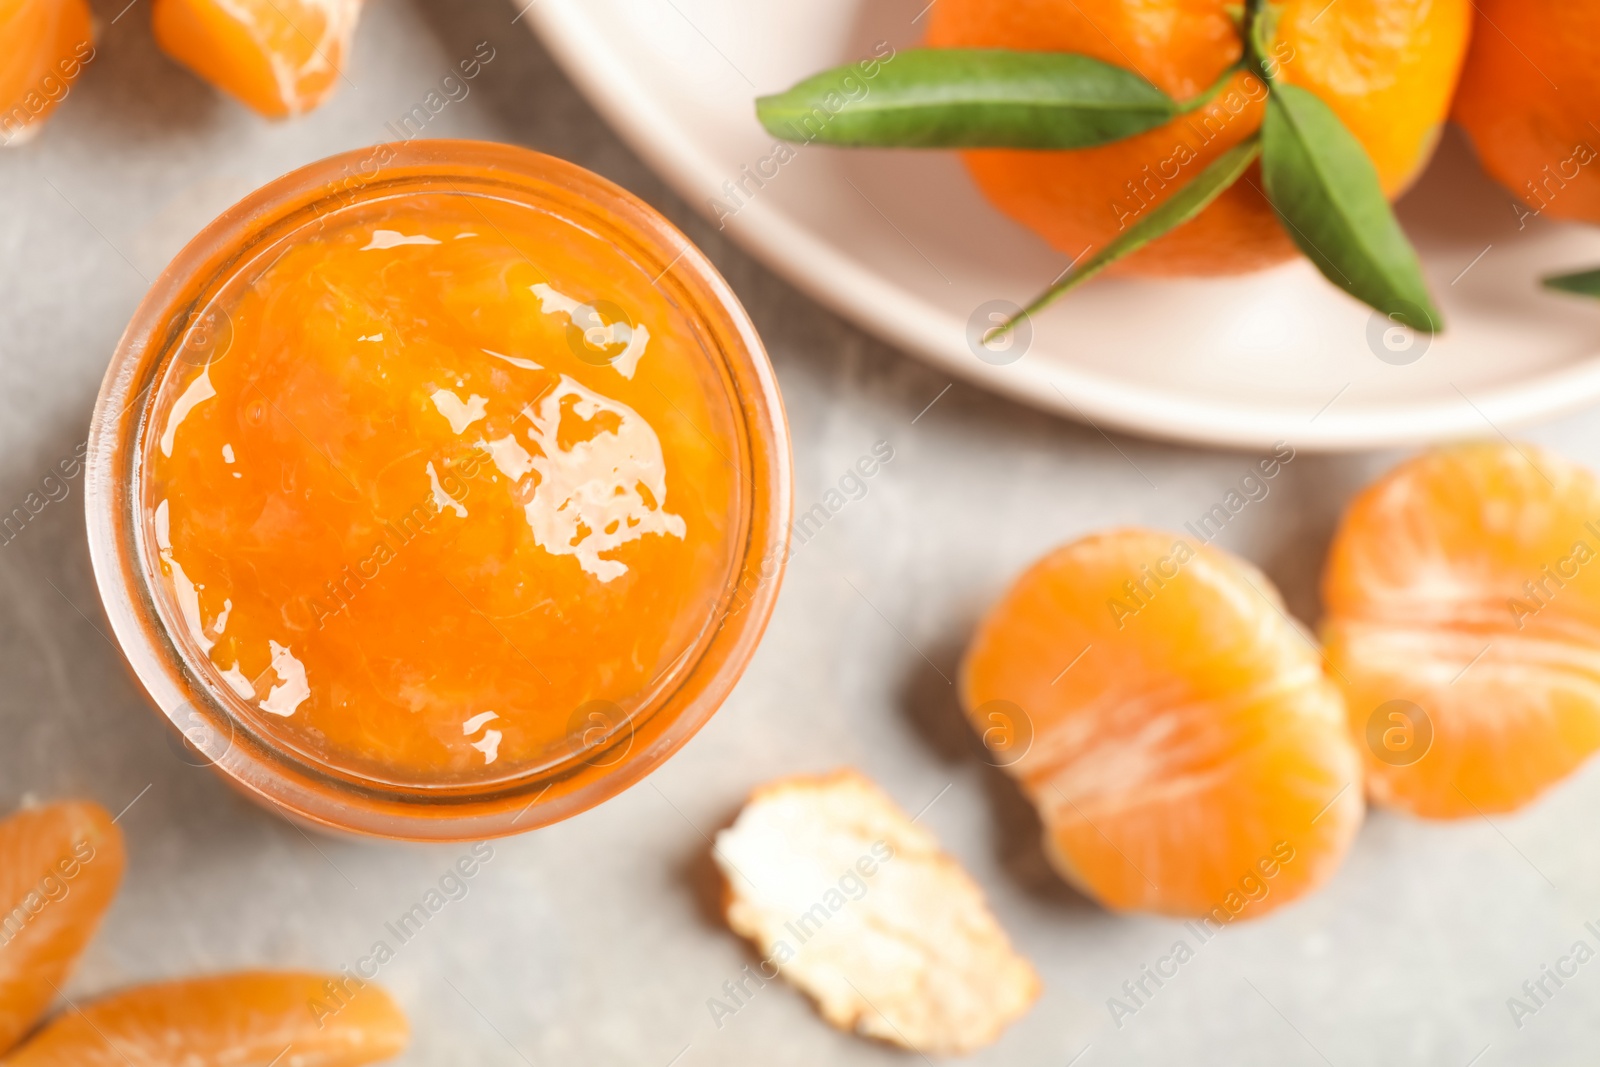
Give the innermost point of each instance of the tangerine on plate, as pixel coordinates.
(1463, 617)
(44, 45)
(59, 868)
(280, 57)
(250, 1019)
(1529, 89)
(1170, 723)
(1386, 67)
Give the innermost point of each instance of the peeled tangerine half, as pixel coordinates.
(59, 868)
(1171, 725)
(44, 45)
(1463, 600)
(280, 57)
(251, 1019)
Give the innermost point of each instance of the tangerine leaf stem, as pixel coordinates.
(1260, 26)
(1210, 92)
(1183, 205)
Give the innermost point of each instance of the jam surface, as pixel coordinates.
(443, 491)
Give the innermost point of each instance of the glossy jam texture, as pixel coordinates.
(440, 488)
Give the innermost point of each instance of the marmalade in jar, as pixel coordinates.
(442, 494)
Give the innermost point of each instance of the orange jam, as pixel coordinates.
(441, 492)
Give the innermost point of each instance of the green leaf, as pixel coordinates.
(1326, 192)
(969, 98)
(1171, 213)
(1584, 282)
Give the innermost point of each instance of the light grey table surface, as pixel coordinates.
(594, 941)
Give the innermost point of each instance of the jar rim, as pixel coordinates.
(273, 771)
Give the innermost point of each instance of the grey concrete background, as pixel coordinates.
(595, 941)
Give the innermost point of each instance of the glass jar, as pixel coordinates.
(362, 329)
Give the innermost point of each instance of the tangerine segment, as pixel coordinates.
(1177, 734)
(1386, 67)
(1463, 603)
(280, 57)
(44, 45)
(59, 868)
(1530, 87)
(250, 1019)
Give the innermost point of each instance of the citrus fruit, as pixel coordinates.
(280, 57)
(59, 868)
(44, 45)
(1172, 726)
(1386, 67)
(1529, 92)
(1463, 616)
(250, 1019)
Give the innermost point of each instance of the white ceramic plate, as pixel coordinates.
(903, 244)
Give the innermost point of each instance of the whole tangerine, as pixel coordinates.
(1387, 68)
(1529, 99)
